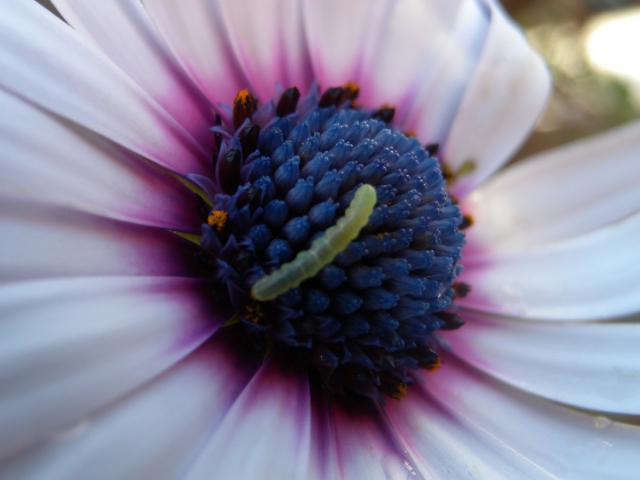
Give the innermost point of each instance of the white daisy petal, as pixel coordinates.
(141, 53)
(268, 40)
(196, 33)
(52, 66)
(590, 365)
(48, 242)
(515, 426)
(388, 54)
(558, 194)
(156, 432)
(66, 165)
(504, 97)
(340, 36)
(323, 457)
(265, 434)
(367, 446)
(444, 445)
(70, 347)
(593, 276)
(425, 75)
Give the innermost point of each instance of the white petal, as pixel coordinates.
(52, 66)
(70, 347)
(48, 159)
(124, 32)
(48, 242)
(154, 433)
(424, 62)
(559, 194)
(415, 55)
(340, 36)
(592, 365)
(368, 447)
(593, 276)
(196, 34)
(488, 430)
(504, 97)
(268, 40)
(323, 457)
(444, 445)
(265, 434)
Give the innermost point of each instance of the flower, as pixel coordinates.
(114, 359)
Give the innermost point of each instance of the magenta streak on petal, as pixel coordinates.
(368, 446)
(139, 51)
(197, 126)
(155, 431)
(99, 338)
(323, 461)
(104, 99)
(42, 242)
(265, 433)
(173, 206)
(269, 44)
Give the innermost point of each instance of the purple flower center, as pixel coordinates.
(284, 174)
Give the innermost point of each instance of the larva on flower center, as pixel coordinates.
(323, 250)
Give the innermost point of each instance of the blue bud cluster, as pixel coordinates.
(287, 173)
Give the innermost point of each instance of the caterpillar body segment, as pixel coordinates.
(323, 250)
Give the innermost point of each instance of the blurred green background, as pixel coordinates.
(586, 99)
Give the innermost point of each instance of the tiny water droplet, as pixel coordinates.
(395, 468)
(601, 422)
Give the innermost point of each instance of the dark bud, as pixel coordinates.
(432, 149)
(467, 221)
(243, 107)
(288, 102)
(252, 196)
(331, 97)
(425, 356)
(451, 320)
(229, 171)
(392, 386)
(462, 289)
(249, 139)
(384, 113)
(449, 177)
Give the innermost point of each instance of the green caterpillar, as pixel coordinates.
(323, 250)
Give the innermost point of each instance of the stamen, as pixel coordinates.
(249, 138)
(432, 149)
(385, 113)
(467, 221)
(244, 106)
(228, 170)
(350, 92)
(217, 219)
(331, 97)
(288, 102)
(451, 320)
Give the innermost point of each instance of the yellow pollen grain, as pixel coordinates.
(242, 98)
(217, 219)
(435, 365)
(400, 391)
